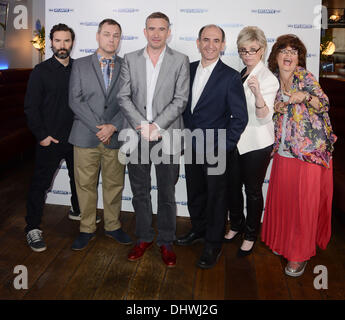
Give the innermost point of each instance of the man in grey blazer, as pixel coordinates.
(92, 97)
(154, 88)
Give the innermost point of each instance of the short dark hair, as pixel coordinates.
(108, 21)
(158, 15)
(211, 25)
(61, 27)
(282, 42)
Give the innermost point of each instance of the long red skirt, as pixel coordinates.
(298, 208)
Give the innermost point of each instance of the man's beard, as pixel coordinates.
(62, 53)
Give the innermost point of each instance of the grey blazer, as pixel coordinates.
(170, 96)
(92, 104)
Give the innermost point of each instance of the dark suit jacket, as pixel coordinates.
(222, 104)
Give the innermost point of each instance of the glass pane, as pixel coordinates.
(3, 22)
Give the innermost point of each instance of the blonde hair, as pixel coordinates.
(252, 33)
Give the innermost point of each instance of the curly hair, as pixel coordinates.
(282, 42)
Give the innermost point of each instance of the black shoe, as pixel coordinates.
(226, 240)
(243, 253)
(35, 240)
(82, 241)
(120, 236)
(209, 257)
(189, 239)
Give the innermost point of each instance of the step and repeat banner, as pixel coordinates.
(187, 17)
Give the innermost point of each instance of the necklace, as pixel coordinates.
(286, 85)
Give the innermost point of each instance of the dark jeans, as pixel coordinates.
(248, 169)
(46, 163)
(207, 203)
(140, 180)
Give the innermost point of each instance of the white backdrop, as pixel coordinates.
(187, 17)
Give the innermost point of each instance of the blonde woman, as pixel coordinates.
(252, 157)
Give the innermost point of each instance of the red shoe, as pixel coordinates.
(168, 255)
(138, 250)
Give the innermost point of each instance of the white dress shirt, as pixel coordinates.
(201, 77)
(152, 73)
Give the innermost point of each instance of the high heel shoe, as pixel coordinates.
(226, 240)
(243, 253)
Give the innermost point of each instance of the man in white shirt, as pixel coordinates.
(216, 101)
(154, 91)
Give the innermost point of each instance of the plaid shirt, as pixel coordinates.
(103, 65)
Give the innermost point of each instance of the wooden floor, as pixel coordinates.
(102, 272)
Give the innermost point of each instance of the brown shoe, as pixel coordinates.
(168, 255)
(138, 250)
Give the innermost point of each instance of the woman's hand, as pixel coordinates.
(254, 86)
(296, 97)
(281, 107)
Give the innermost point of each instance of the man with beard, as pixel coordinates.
(50, 119)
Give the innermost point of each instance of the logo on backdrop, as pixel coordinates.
(265, 11)
(61, 10)
(300, 26)
(230, 54)
(89, 24)
(231, 25)
(63, 192)
(312, 55)
(126, 10)
(87, 50)
(188, 38)
(124, 37)
(196, 10)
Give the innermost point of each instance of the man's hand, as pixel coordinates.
(47, 141)
(149, 131)
(105, 132)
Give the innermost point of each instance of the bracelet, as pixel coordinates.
(261, 107)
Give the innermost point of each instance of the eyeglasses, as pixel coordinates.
(293, 52)
(251, 52)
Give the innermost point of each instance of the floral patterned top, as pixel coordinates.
(309, 134)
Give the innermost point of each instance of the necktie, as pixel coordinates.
(106, 74)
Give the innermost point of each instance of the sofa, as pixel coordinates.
(15, 137)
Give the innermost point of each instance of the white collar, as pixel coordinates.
(146, 55)
(210, 67)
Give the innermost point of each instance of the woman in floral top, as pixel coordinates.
(299, 199)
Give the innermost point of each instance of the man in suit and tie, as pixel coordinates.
(93, 88)
(154, 89)
(216, 101)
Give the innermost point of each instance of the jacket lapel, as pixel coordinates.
(97, 68)
(212, 81)
(256, 69)
(141, 68)
(164, 70)
(116, 73)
